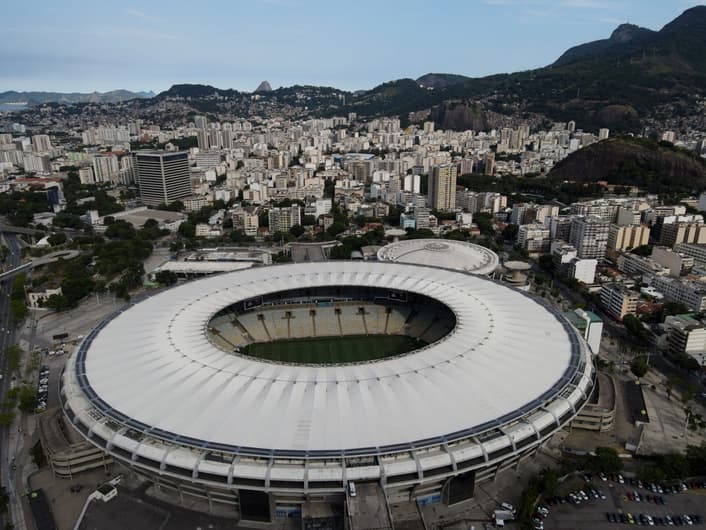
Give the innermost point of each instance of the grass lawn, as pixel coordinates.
(333, 350)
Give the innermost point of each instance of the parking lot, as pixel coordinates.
(631, 502)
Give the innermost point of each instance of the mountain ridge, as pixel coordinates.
(39, 97)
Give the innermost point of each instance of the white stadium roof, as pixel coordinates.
(446, 253)
(153, 368)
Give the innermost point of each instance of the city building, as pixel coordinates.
(618, 301)
(534, 238)
(589, 235)
(589, 324)
(442, 188)
(163, 177)
(693, 231)
(626, 237)
(686, 334)
(698, 252)
(283, 219)
(634, 264)
(690, 293)
(677, 262)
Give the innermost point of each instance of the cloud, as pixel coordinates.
(136, 13)
(142, 15)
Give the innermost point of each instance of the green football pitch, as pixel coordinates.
(333, 350)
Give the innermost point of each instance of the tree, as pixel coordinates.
(57, 302)
(166, 277)
(57, 239)
(635, 327)
(484, 222)
(605, 459)
(13, 355)
(639, 367)
(27, 399)
(336, 228)
(642, 250)
(296, 230)
(510, 232)
(187, 229)
(309, 220)
(18, 310)
(120, 229)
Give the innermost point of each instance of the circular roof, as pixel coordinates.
(154, 365)
(446, 253)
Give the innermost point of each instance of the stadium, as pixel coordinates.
(261, 389)
(446, 253)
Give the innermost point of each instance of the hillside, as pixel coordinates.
(38, 98)
(440, 80)
(625, 37)
(618, 82)
(659, 167)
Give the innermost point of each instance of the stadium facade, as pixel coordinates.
(152, 388)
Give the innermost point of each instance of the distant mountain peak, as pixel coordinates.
(264, 87)
(627, 32)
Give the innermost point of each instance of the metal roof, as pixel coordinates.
(446, 253)
(153, 368)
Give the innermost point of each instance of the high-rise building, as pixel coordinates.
(683, 232)
(202, 139)
(589, 235)
(282, 219)
(105, 168)
(41, 143)
(163, 177)
(200, 122)
(621, 238)
(442, 187)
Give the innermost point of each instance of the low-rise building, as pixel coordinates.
(634, 264)
(38, 299)
(690, 293)
(589, 324)
(675, 261)
(618, 301)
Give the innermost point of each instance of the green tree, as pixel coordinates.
(120, 230)
(510, 232)
(336, 228)
(643, 250)
(166, 277)
(13, 355)
(187, 229)
(296, 230)
(57, 239)
(18, 311)
(57, 302)
(639, 367)
(605, 459)
(635, 328)
(27, 397)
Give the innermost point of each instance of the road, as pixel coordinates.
(8, 337)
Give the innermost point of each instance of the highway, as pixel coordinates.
(8, 336)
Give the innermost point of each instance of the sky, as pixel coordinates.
(83, 46)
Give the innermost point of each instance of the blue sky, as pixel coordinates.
(77, 45)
